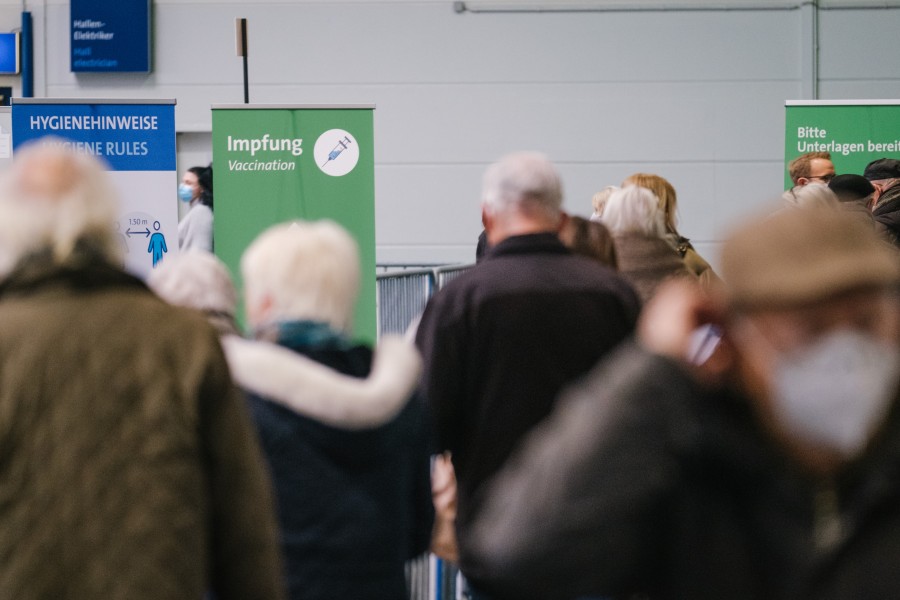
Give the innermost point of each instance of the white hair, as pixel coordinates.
(53, 199)
(304, 270)
(634, 209)
(196, 279)
(524, 180)
(816, 195)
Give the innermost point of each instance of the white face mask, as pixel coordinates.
(835, 392)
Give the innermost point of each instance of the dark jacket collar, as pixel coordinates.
(889, 202)
(879, 466)
(301, 335)
(83, 271)
(531, 243)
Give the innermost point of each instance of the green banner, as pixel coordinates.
(855, 132)
(279, 163)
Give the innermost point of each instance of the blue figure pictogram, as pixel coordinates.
(157, 245)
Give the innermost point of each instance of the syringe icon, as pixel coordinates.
(338, 148)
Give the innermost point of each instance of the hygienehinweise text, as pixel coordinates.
(67, 123)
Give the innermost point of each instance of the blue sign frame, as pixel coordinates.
(110, 36)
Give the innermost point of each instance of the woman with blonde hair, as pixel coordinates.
(668, 204)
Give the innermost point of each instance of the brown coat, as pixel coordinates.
(695, 263)
(647, 261)
(129, 468)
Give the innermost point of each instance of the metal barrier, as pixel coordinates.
(418, 578)
(401, 298)
(430, 578)
(444, 275)
(448, 581)
(402, 295)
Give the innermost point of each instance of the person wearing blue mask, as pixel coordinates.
(195, 230)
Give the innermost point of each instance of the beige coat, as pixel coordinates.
(647, 261)
(129, 468)
(695, 263)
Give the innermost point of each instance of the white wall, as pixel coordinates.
(696, 96)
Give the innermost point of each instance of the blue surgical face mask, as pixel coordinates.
(185, 192)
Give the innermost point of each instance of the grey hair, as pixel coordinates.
(197, 279)
(53, 200)
(634, 209)
(523, 180)
(307, 270)
(816, 195)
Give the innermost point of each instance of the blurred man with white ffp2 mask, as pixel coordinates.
(770, 471)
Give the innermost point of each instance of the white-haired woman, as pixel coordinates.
(638, 227)
(198, 280)
(668, 204)
(351, 471)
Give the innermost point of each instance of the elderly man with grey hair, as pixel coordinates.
(501, 340)
(130, 468)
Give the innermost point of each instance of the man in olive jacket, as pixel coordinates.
(128, 467)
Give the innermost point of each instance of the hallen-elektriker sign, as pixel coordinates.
(109, 35)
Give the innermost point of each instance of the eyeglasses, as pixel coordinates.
(823, 178)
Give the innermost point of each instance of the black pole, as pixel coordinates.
(27, 56)
(246, 71)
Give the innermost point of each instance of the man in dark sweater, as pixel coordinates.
(500, 341)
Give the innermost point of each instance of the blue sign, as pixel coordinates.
(136, 141)
(9, 54)
(110, 35)
(129, 137)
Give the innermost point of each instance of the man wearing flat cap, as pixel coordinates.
(884, 174)
(769, 470)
